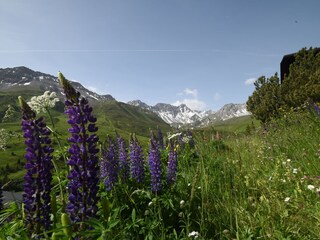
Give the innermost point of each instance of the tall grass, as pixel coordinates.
(262, 184)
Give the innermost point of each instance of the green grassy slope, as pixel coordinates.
(236, 125)
(232, 127)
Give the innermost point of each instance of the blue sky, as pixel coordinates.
(204, 53)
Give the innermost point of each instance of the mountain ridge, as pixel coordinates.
(22, 79)
(182, 115)
(111, 114)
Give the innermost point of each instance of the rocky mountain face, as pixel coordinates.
(182, 115)
(25, 79)
(173, 115)
(228, 111)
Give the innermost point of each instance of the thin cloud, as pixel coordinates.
(190, 99)
(192, 92)
(193, 104)
(217, 97)
(250, 81)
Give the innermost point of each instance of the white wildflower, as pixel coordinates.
(193, 234)
(186, 139)
(226, 231)
(43, 102)
(182, 202)
(310, 187)
(199, 187)
(189, 184)
(4, 137)
(150, 204)
(288, 160)
(287, 199)
(8, 114)
(173, 135)
(295, 171)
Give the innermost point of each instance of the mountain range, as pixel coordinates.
(183, 115)
(23, 79)
(112, 115)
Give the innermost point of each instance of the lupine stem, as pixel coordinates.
(54, 132)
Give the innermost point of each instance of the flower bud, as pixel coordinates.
(66, 224)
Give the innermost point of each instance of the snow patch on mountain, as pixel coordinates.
(232, 110)
(173, 115)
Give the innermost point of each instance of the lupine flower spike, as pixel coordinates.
(190, 139)
(123, 159)
(172, 165)
(37, 186)
(160, 139)
(180, 140)
(155, 167)
(83, 160)
(1, 196)
(136, 160)
(109, 166)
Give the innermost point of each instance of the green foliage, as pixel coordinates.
(266, 99)
(302, 85)
(303, 81)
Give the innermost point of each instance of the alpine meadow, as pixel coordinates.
(91, 171)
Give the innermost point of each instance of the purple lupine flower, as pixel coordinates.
(83, 161)
(109, 165)
(37, 185)
(1, 196)
(190, 139)
(123, 159)
(316, 109)
(180, 140)
(160, 139)
(155, 167)
(172, 165)
(136, 161)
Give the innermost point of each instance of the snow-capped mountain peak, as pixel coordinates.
(23, 78)
(232, 110)
(183, 115)
(174, 115)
